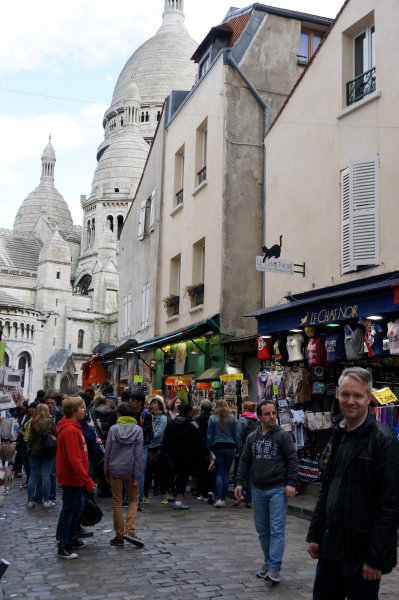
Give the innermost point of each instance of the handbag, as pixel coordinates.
(91, 513)
(49, 444)
(308, 470)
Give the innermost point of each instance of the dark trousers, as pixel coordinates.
(331, 584)
(157, 467)
(69, 519)
(182, 469)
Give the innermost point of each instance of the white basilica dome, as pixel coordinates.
(45, 199)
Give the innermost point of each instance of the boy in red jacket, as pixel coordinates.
(72, 466)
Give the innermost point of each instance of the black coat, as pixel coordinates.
(368, 499)
(182, 440)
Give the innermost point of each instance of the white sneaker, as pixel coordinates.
(220, 504)
(48, 504)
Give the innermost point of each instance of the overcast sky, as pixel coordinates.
(75, 50)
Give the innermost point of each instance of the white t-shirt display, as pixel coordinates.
(393, 337)
(295, 347)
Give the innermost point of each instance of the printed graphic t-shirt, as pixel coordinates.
(335, 348)
(354, 342)
(265, 347)
(295, 347)
(393, 337)
(374, 340)
(316, 351)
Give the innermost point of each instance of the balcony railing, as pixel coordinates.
(201, 175)
(179, 197)
(361, 86)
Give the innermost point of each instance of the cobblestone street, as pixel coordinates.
(200, 553)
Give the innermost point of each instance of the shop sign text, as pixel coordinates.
(328, 315)
(274, 265)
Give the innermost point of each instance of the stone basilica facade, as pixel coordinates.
(59, 281)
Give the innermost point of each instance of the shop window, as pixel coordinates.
(179, 177)
(145, 304)
(127, 314)
(201, 152)
(360, 247)
(310, 41)
(81, 335)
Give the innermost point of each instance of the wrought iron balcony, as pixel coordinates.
(201, 175)
(179, 197)
(361, 86)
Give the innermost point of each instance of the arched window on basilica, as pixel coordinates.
(83, 285)
(120, 226)
(81, 335)
(110, 222)
(24, 364)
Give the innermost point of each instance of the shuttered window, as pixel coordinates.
(145, 305)
(360, 244)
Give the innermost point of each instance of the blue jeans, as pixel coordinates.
(141, 481)
(248, 491)
(69, 518)
(331, 584)
(270, 511)
(41, 467)
(223, 462)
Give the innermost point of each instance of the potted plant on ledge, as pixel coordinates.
(195, 292)
(171, 304)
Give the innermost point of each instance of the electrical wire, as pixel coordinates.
(52, 97)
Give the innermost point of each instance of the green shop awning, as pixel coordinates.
(207, 326)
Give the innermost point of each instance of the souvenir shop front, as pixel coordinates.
(304, 345)
(168, 364)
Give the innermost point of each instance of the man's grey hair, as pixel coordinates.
(361, 375)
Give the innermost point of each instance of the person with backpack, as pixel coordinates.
(247, 423)
(123, 464)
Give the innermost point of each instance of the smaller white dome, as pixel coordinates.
(49, 151)
(133, 94)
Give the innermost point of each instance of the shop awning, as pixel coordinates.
(93, 372)
(214, 373)
(337, 303)
(209, 325)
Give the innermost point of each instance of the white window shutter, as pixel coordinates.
(147, 320)
(143, 305)
(129, 314)
(124, 315)
(153, 210)
(365, 215)
(346, 223)
(142, 219)
(360, 243)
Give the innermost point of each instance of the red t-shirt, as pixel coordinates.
(316, 352)
(265, 348)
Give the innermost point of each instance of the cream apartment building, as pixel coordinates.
(332, 177)
(208, 214)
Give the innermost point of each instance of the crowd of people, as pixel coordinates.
(138, 452)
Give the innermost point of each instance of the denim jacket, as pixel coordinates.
(227, 435)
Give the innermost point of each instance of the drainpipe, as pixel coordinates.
(265, 108)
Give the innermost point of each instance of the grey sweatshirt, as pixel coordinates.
(269, 460)
(124, 451)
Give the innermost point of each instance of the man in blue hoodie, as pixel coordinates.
(269, 458)
(123, 463)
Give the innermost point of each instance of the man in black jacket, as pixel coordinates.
(269, 458)
(353, 529)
